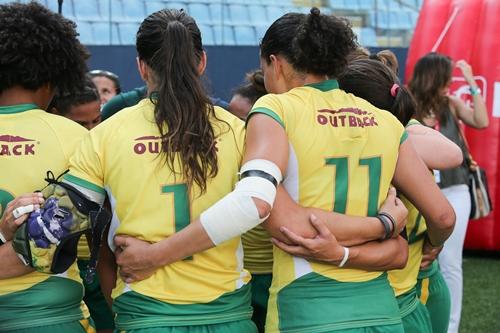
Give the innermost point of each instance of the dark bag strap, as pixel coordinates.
(469, 161)
(99, 221)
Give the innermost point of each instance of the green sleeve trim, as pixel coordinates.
(83, 183)
(10, 109)
(403, 137)
(265, 111)
(413, 122)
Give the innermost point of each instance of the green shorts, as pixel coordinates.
(260, 296)
(373, 329)
(314, 303)
(435, 295)
(76, 326)
(240, 326)
(414, 314)
(98, 307)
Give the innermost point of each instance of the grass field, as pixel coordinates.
(481, 300)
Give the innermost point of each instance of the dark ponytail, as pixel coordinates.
(313, 43)
(375, 82)
(169, 41)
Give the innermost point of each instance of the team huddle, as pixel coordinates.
(288, 221)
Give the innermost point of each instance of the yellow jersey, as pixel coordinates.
(342, 156)
(33, 142)
(121, 157)
(403, 280)
(258, 250)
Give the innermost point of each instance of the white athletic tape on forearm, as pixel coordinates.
(20, 211)
(230, 217)
(237, 213)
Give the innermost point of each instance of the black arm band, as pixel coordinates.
(261, 174)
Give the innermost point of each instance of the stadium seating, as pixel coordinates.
(200, 11)
(84, 29)
(235, 22)
(87, 11)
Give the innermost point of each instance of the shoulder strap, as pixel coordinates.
(468, 157)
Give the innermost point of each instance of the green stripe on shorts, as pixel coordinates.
(314, 303)
(413, 313)
(136, 311)
(54, 301)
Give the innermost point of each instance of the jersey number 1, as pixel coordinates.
(182, 216)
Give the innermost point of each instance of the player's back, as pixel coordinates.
(33, 142)
(342, 156)
(151, 202)
(343, 153)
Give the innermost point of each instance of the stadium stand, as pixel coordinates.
(382, 23)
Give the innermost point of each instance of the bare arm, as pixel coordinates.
(427, 142)
(380, 256)
(372, 256)
(10, 264)
(348, 230)
(414, 180)
(477, 117)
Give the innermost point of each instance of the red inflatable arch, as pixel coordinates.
(470, 30)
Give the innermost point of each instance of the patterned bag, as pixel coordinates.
(479, 193)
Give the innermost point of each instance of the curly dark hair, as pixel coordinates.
(38, 47)
(312, 43)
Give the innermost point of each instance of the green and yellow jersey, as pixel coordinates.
(33, 142)
(403, 280)
(258, 250)
(342, 156)
(121, 158)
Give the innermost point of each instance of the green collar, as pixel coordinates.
(325, 85)
(18, 108)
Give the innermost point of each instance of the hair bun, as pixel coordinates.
(256, 79)
(315, 11)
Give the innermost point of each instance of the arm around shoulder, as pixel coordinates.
(428, 141)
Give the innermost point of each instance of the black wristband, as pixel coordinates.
(393, 222)
(386, 225)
